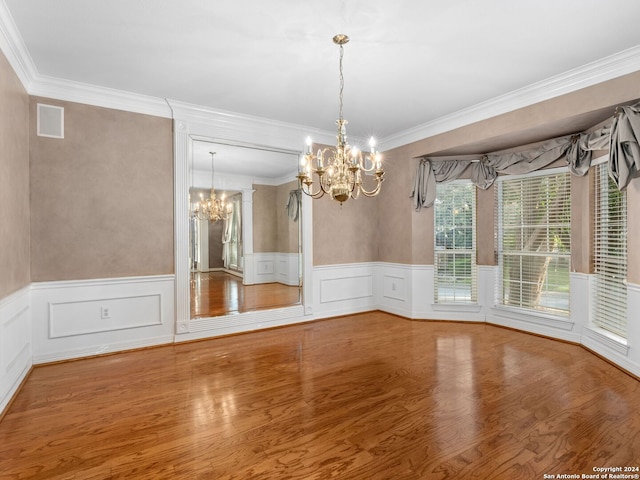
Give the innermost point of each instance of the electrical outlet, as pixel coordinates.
(105, 312)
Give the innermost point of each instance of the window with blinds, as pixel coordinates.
(534, 242)
(455, 243)
(609, 299)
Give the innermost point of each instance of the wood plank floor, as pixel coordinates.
(220, 293)
(370, 396)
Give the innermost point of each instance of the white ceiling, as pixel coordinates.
(409, 61)
(262, 165)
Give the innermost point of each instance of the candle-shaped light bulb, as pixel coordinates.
(309, 142)
(378, 161)
(372, 144)
(302, 165)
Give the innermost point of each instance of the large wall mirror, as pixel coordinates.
(249, 260)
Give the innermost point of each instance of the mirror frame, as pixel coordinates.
(218, 127)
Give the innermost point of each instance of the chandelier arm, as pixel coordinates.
(374, 192)
(307, 190)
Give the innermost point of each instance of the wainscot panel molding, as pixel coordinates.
(399, 287)
(72, 319)
(580, 290)
(15, 343)
(270, 267)
(200, 328)
(343, 289)
(288, 269)
(422, 301)
(626, 354)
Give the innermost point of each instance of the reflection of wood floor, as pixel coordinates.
(219, 293)
(364, 397)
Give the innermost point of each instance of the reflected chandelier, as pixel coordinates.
(213, 208)
(340, 170)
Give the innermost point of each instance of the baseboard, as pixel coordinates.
(202, 328)
(91, 351)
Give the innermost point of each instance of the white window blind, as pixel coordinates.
(455, 243)
(609, 301)
(534, 242)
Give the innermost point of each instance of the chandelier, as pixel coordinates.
(340, 170)
(212, 208)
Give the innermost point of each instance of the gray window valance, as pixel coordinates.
(621, 138)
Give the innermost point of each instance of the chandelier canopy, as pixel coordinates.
(212, 208)
(340, 170)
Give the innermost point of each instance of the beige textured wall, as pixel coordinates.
(14, 182)
(272, 229)
(347, 233)
(551, 111)
(265, 222)
(581, 230)
(485, 226)
(102, 197)
(395, 210)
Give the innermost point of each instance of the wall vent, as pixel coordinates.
(50, 121)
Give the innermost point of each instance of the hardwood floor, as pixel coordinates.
(370, 396)
(220, 293)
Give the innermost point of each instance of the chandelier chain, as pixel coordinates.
(341, 80)
(340, 170)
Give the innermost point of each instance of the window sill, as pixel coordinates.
(554, 321)
(608, 339)
(456, 307)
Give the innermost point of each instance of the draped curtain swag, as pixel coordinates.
(622, 138)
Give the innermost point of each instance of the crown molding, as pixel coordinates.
(11, 43)
(15, 49)
(607, 68)
(198, 121)
(71, 91)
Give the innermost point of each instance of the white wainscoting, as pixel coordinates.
(15, 343)
(73, 319)
(400, 287)
(626, 354)
(343, 289)
(408, 290)
(270, 267)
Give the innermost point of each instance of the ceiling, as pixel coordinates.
(268, 166)
(408, 63)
